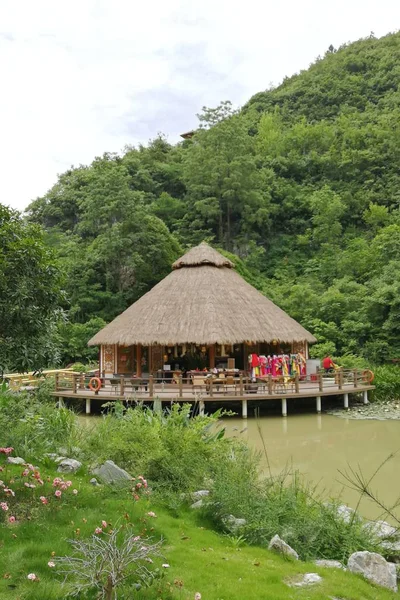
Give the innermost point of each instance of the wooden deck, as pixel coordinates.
(148, 390)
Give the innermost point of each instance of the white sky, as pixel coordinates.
(82, 77)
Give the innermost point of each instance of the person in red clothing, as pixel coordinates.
(328, 364)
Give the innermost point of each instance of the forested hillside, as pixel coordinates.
(302, 184)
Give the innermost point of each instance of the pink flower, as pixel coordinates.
(43, 500)
(136, 538)
(25, 473)
(104, 524)
(68, 483)
(151, 514)
(51, 564)
(29, 485)
(63, 486)
(6, 451)
(11, 519)
(197, 596)
(57, 481)
(75, 492)
(9, 492)
(4, 506)
(147, 559)
(32, 577)
(40, 481)
(136, 497)
(98, 530)
(58, 493)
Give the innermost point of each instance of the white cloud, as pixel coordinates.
(82, 78)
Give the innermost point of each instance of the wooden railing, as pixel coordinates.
(17, 381)
(214, 386)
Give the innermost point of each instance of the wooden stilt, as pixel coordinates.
(346, 400)
(365, 396)
(88, 405)
(60, 402)
(318, 404)
(201, 408)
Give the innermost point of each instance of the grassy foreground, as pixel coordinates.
(200, 560)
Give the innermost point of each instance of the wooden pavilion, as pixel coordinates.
(203, 314)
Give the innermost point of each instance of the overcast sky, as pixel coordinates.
(82, 77)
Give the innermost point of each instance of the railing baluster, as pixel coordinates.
(151, 386)
(320, 381)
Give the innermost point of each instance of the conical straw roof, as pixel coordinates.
(202, 301)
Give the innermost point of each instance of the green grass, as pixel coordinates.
(200, 559)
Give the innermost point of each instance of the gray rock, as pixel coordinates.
(16, 460)
(197, 505)
(278, 545)
(374, 568)
(94, 481)
(306, 579)
(200, 494)
(330, 564)
(381, 529)
(233, 524)
(345, 512)
(109, 472)
(69, 465)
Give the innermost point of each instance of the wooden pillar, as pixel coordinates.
(57, 381)
(151, 386)
(346, 401)
(270, 385)
(211, 387)
(180, 383)
(122, 385)
(284, 407)
(82, 381)
(201, 408)
(296, 383)
(365, 396)
(244, 409)
(75, 383)
(211, 356)
(88, 405)
(340, 378)
(355, 377)
(241, 384)
(318, 404)
(320, 381)
(139, 360)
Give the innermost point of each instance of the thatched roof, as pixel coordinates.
(203, 301)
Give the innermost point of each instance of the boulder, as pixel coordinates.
(278, 545)
(374, 568)
(345, 512)
(305, 580)
(109, 472)
(16, 460)
(200, 494)
(94, 481)
(330, 564)
(381, 529)
(69, 465)
(233, 524)
(197, 505)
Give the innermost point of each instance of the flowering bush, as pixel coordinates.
(21, 493)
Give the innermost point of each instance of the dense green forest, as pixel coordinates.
(301, 186)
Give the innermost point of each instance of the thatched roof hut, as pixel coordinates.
(202, 301)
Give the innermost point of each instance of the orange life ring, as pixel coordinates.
(95, 384)
(369, 375)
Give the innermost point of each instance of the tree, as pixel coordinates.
(30, 296)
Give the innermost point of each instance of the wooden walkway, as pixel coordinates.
(74, 387)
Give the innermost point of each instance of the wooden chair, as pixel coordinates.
(199, 383)
(229, 384)
(115, 382)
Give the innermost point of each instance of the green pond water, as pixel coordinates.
(320, 446)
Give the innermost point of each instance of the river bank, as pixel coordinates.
(380, 411)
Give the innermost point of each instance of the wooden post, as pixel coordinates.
(346, 401)
(320, 381)
(201, 408)
(355, 377)
(122, 385)
(151, 386)
(88, 405)
(157, 405)
(211, 356)
(139, 360)
(180, 386)
(82, 381)
(340, 378)
(211, 387)
(244, 409)
(296, 383)
(270, 384)
(365, 396)
(284, 407)
(241, 384)
(60, 402)
(75, 383)
(318, 404)
(57, 381)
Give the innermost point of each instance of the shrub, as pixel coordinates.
(387, 382)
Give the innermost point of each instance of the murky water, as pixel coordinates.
(320, 446)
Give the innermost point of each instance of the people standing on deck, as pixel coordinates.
(328, 364)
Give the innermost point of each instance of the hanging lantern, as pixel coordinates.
(183, 349)
(203, 349)
(274, 342)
